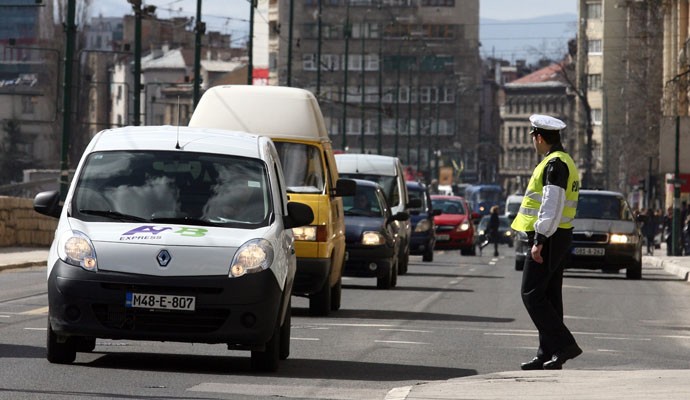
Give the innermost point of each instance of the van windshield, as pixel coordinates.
(388, 183)
(174, 187)
(302, 167)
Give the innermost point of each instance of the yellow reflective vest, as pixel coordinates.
(529, 209)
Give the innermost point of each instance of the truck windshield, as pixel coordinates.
(302, 167)
(173, 187)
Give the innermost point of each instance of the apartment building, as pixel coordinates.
(393, 77)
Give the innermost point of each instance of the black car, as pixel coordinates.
(605, 236)
(505, 234)
(422, 219)
(371, 244)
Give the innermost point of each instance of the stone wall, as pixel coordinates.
(20, 225)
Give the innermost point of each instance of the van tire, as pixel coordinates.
(404, 261)
(634, 272)
(59, 353)
(267, 360)
(285, 333)
(336, 295)
(320, 302)
(385, 281)
(394, 275)
(428, 255)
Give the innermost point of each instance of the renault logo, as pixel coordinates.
(163, 258)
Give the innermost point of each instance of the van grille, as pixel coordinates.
(142, 320)
(582, 237)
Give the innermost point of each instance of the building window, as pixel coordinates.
(309, 62)
(372, 62)
(594, 46)
(330, 62)
(596, 116)
(510, 134)
(594, 81)
(438, 3)
(593, 10)
(27, 105)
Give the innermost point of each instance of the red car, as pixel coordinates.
(454, 226)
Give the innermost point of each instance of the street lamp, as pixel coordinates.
(139, 12)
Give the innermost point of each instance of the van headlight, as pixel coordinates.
(619, 238)
(373, 239)
(254, 256)
(75, 248)
(423, 226)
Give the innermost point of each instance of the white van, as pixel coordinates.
(513, 203)
(388, 172)
(173, 234)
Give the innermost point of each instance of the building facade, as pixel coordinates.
(393, 77)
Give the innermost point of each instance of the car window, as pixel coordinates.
(388, 183)
(302, 167)
(449, 206)
(599, 206)
(365, 203)
(418, 194)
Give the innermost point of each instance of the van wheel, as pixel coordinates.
(336, 295)
(59, 353)
(267, 360)
(428, 255)
(320, 302)
(394, 276)
(634, 272)
(385, 281)
(285, 333)
(402, 263)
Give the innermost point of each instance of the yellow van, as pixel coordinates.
(292, 118)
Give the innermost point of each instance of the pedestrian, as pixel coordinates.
(649, 227)
(668, 231)
(546, 215)
(492, 230)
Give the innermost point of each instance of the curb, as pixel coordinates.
(671, 267)
(23, 265)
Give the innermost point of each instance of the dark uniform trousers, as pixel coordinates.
(543, 296)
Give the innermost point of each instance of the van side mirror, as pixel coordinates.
(401, 216)
(299, 214)
(345, 187)
(48, 203)
(414, 203)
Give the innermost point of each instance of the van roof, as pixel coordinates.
(190, 139)
(274, 111)
(367, 164)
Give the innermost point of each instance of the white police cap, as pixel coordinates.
(546, 122)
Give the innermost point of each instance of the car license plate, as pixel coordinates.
(588, 251)
(442, 237)
(160, 301)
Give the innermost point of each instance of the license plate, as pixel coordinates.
(442, 237)
(160, 301)
(588, 251)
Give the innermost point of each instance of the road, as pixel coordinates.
(458, 316)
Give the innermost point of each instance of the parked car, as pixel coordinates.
(422, 218)
(454, 226)
(605, 236)
(371, 240)
(173, 234)
(505, 233)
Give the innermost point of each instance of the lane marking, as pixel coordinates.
(454, 282)
(36, 329)
(405, 330)
(575, 287)
(37, 311)
(622, 338)
(5, 316)
(290, 391)
(492, 262)
(305, 338)
(363, 325)
(608, 351)
(398, 342)
(510, 334)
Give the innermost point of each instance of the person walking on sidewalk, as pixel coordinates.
(546, 215)
(492, 234)
(649, 229)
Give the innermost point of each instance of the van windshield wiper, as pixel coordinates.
(184, 220)
(114, 215)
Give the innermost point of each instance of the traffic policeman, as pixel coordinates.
(546, 215)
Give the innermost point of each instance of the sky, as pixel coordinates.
(232, 16)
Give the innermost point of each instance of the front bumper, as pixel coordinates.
(453, 240)
(615, 257)
(359, 260)
(421, 242)
(237, 311)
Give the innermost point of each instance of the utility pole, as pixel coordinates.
(397, 105)
(137, 62)
(363, 85)
(199, 30)
(409, 112)
(346, 31)
(70, 40)
(250, 43)
(379, 145)
(289, 60)
(318, 53)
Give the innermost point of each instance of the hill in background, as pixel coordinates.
(527, 39)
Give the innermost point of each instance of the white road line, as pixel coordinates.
(492, 262)
(675, 337)
(5, 316)
(405, 330)
(575, 317)
(608, 351)
(36, 311)
(398, 342)
(454, 282)
(363, 325)
(305, 338)
(36, 329)
(575, 287)
(622, 338)
(510, 334)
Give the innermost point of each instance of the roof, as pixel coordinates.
(172, 59)
(366, 164)
(166, 138)
(220, 66)
(547, 76)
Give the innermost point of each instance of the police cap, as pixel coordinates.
(546, 122)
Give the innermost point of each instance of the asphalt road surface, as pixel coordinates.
(455, 317)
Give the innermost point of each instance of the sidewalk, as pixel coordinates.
(564, 384)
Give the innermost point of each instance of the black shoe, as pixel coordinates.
(558, 359)
(534, 364)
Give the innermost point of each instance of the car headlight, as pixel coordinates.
(254, 256)
(509, 233)
(373, 239)
(463, 227)
(481, 231)
(423, 226)
(305, 233)
(618, 238)
(75, 248)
